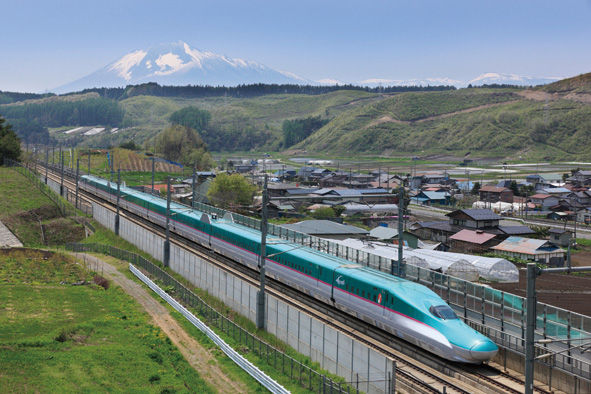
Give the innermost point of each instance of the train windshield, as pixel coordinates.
(443, 311)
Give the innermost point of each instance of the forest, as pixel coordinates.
(242, 91)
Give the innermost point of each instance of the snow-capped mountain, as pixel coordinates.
(179, 64)
(508, 79)
(409, 82)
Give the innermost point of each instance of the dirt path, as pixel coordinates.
(538, 95)
(199, 358)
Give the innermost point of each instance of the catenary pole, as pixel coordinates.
(118, 217)
(62, 180)
(530, 328)
(400, 228)
(193, 197)
(261, 317)
(167, 241)
(46, 163)
(77, 174)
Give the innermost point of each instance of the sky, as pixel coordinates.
(48, 43)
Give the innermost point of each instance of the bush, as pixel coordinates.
(102, 282)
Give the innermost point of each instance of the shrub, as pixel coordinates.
(154, 378)
(102, 282)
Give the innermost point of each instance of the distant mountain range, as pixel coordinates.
(178, 64)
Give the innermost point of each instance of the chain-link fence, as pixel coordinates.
(307, 377)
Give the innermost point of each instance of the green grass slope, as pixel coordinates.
(482, 121)
(579, 84)
(58, 338)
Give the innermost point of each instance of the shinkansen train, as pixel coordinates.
(398, 306)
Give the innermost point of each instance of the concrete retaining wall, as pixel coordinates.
(334, 351)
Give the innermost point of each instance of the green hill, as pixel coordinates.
(486, 122)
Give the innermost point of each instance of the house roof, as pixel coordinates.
(443, 226)
(558, 231)
(516, 230)
(493, 189)
(475, 237)
(435, 195)
(554, 190)
(541, 196)
(478, 214)
(381, 232)
(527, 246)
(319, 227)
(301, 191)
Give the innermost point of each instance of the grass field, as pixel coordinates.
(25, 209)
(73, 339)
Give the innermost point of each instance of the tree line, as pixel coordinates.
(94, 111)
(241, 91)
(14, 97)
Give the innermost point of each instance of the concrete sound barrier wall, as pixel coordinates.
(336, 352)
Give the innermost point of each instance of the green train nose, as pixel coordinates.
(483, 350)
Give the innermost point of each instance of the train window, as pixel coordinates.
(363, 293)
(443, 312)
(374, 298)
(386, 297)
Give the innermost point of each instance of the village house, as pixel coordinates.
(468, 241)
(495, 194)
(537, 250)
(544, 200)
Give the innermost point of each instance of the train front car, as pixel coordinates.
(439, 329)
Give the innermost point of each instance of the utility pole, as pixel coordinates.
(77, 173)
(400, 228)
(112, 162)
(193, 197)
(261, 308)
(167, 241)
(88, 160)
(117, 218)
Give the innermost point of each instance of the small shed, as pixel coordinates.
(390, 235)
(560, 237)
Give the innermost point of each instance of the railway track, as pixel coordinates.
(423, 373)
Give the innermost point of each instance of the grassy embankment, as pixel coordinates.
(25, 209)
(72, 339)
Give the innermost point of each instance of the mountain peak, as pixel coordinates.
(177, 63)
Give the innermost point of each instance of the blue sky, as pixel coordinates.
(48, 43)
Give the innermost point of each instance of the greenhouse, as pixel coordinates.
(459, 265)
(488, 268)
(458, 268)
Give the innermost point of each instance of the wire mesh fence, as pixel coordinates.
(307, 377)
